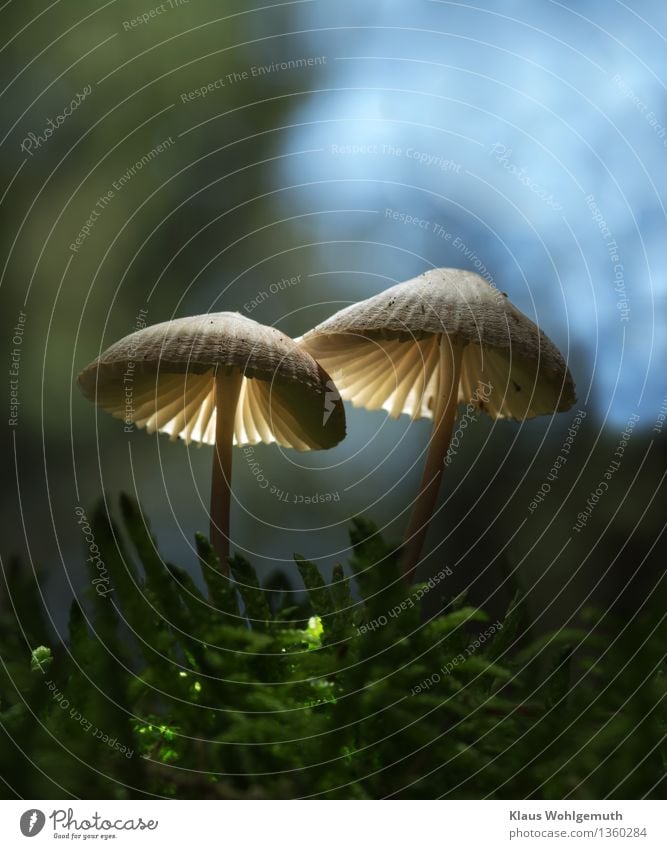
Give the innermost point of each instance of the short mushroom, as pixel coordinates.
(422, 347)
(222, 379)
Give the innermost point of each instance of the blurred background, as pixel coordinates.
(285, 160)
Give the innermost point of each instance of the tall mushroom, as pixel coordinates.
(222, 379)
(422, 347)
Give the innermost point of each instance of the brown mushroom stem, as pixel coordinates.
(227, 389)
(444, 414)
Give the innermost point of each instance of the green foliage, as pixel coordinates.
(239, 692)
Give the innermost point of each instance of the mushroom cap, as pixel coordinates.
(383, 352)
(163, 378)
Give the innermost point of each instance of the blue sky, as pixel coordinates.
(533, 134)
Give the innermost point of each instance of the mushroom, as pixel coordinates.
(222, 379)
(422, 347)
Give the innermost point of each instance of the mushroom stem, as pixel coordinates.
(227, 389)
(444, 413)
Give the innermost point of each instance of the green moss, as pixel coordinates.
(161, 690)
